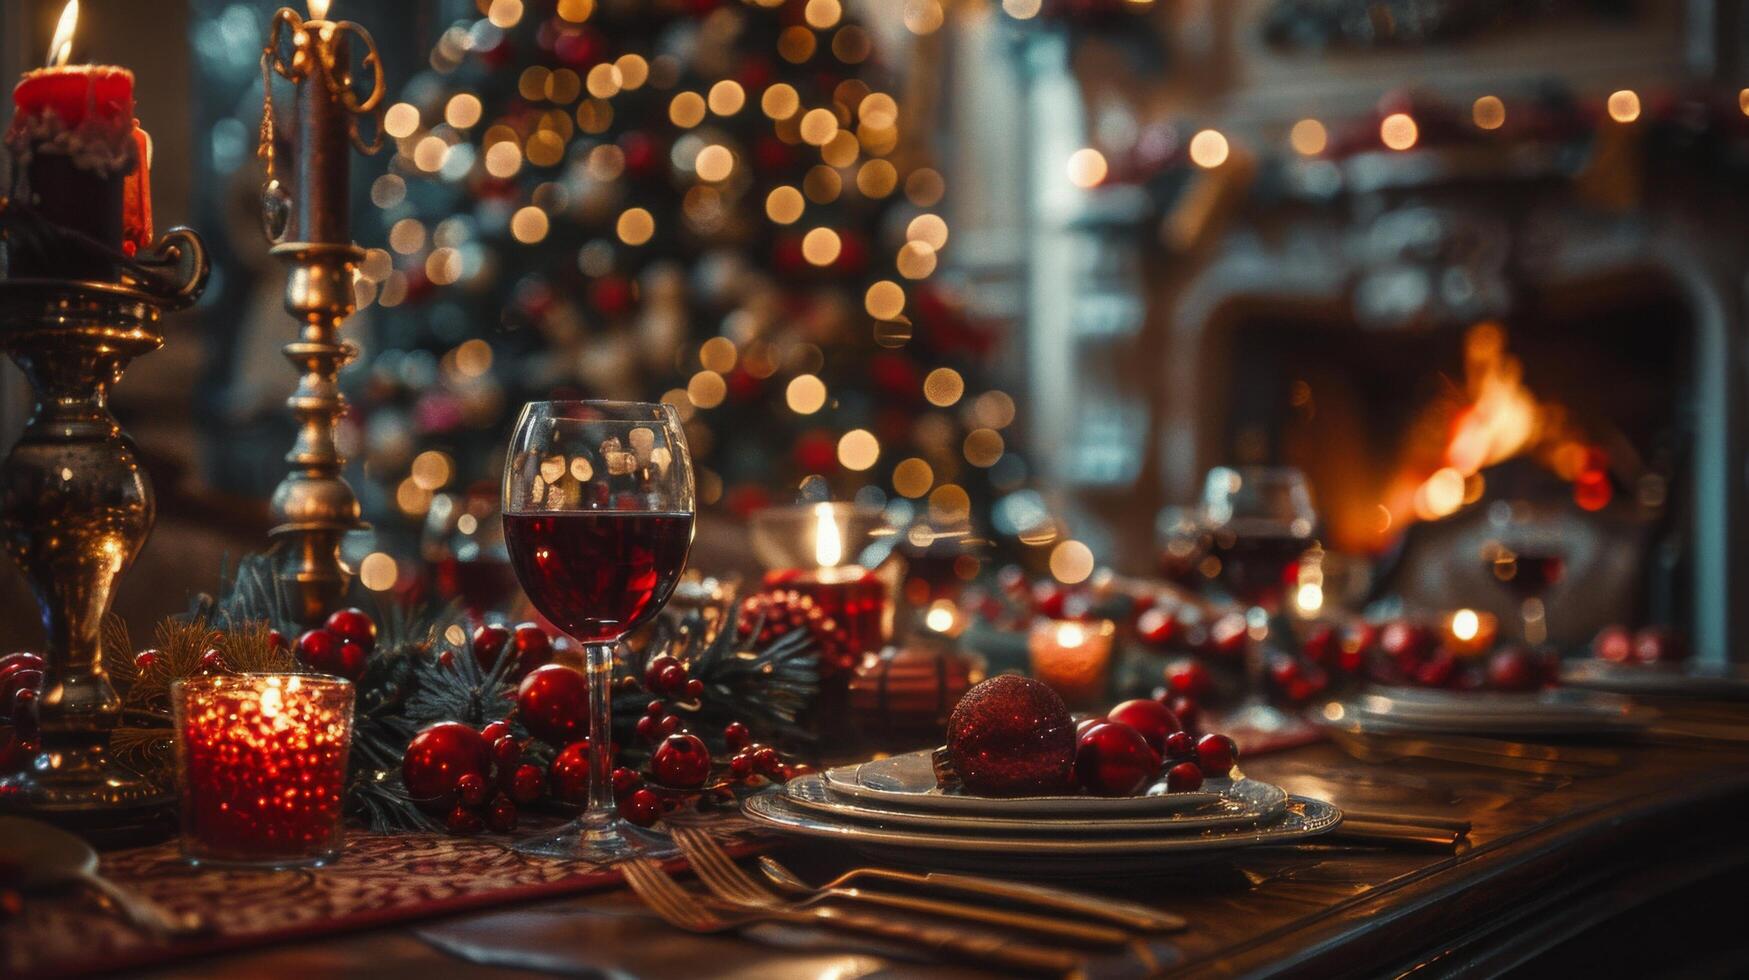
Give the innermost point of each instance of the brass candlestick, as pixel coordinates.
(75, 507)
(314, 506)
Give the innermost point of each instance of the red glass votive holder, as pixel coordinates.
(852, 596)
(261, 767)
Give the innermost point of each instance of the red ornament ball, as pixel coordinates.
(527, 784)
(145, 660)
(532, 646)
(488, 642)
(553, 702)
(736, 735)
(472, 789)
(1514, 669)
(462, 820)
(1180, 746)
(1113, 759)
(1157, 626)
(642, 807)
(501, 816)
(624, 781)
(1614, 644)
(1215, 755)
(352, 661)
(319, 650)
(354, 625)
(570, 772)
(495, 731)
(681, 761)
(436, 760)
(1012, 736)
(1189, 678)
(1184, 777)
(1152, 719)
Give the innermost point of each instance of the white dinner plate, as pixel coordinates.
(1407, 711)
(1052, 855)
(1720, 682)
(909, 781)
(1242, 802)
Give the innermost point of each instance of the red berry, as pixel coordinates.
(766, 761)
(654, 669)
(624, 781)
(1152, 719)
(1184, 777)
(682, 761)
(145, 660)
(527, 784)
(319, 650)
(1514, 669)
(446, 659)
(694, 689)
(570, 773)
(1189, 713)
(1157, 627)
(1189, 678)
(213, 662)
(741, 765)
(1180, 745)
(277, 640)
(352, 659)
(552, 702)
(495, 731)
(471, 787)
(669, 724)
(656, 708)
(1614, 644)
(1215, 755)
(532, 645)
(1229, 635)
(501, 816)
(1436, 671)
(463, 821)
(648, 728)
(672, 680)
(353, 625)
(736, 735)
(488, 641)
(1084, 724)
(1048, 599)
(1113, 759)
(642, 808)
(506, 755)
(1406, 643)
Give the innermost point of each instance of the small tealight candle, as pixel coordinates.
(1469, 632)
(852, 596)
(1073, 657)
(261, 767)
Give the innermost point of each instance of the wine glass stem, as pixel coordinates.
(599, 663)
(1536, 625)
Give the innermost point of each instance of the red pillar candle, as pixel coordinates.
(261, 767)
(78, 159)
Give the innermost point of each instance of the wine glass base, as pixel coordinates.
(603, 843)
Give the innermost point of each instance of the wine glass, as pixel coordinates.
(1527, 559)
(598, 519)
(1260, 521)
(1181, 542)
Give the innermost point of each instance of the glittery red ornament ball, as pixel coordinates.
(437, 758)
(553, 702)
(1012, 736)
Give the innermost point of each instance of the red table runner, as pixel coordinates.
(380, 879)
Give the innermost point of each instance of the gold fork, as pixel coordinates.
(702, 914)
(722, 876)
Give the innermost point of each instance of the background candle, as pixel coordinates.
(261, 766)
(1073, 657)
(322, 171)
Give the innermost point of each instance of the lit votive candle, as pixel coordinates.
(261, 766)
(1073, 657)
(1469, 632)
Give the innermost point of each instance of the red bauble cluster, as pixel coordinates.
(340, 646)
(1011, 736)
(527, 642)
(1138, 741)
(21, 677)
(1406, 652)
(474, 779)
(553, 702)
(774, 613)
(1648, 645)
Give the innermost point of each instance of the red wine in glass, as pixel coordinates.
(598, 574)
(1258, 565)
(1527, 574)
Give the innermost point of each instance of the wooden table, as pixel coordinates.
(1636, 866)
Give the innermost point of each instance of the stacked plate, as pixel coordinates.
(1714, 682)
(894, 809)
(1559, 712)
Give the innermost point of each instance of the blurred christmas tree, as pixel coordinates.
(711, 202)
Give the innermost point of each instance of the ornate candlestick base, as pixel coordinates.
(75, 507)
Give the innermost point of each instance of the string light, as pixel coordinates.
(1624, 106)
(1488, 112)
(821, 246)
(1208, 149)
(884, 300)
(635, 226)
(726, 98)
(784, 204)
(929, 229)
(1087, 167)
(858, 450)
(805, 394)
(1308, 137)
(1398, 131)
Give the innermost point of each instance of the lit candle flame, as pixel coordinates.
(828, 540)
(1465, 624)
(319, 9)
(61, 48)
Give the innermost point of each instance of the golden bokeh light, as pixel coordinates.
(504, 13)
(851, 44)
(884, 300)
(1208, 149)
(796, 44)
(564, 86)
(805, 395)
(983, 447)
(1398, 131)
(714, 163)
(878, 109)
(841, 150)
(401, 120)
(594, 115)
(1743, 101)
(820, 246)
(994, 410)
(1022, 9)
(576, 11)
(529, 225)
(923, 16)
(1087, 167)
(819, 126)
(784, 204)
(1308, 137)
(822, 184)
(858, 450)
(718, 354)
(532, 83)
(950, 504)
(1071, 562)
(924, 187)
(913, 478)
(430, 153)
(686, 110)
(780, 101)
(916, 260)
(706, 389)
(1488, 112)
(463, 110)
(603, 81)
(943, 387)
(822, 14)
(407, 236)
(473, 358)
(443, 266)
(378, 571)
(545, 148)
(726, 98)
(432, 469)
(876, 179)
(929, 229)
(636, 226)
(1624, 105)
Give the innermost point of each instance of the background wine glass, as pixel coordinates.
(598, 518)
(1260, 522)
(1527, 559)
(1181, 542)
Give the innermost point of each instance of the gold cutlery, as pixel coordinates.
(704, 914)
(1391, 749)
(1454, 824)
(46, 855)
(727, 881)
(1128, 914)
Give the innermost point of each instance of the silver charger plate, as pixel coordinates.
(1245, 802)
(1103, 855)
(909, 781)
(1410, 711)
(1719, 682)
